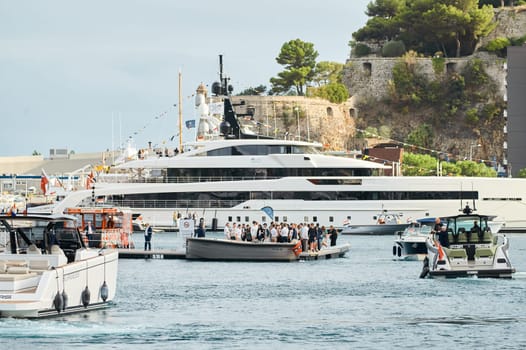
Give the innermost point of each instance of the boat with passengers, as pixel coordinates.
(467, 247)
(232, 167)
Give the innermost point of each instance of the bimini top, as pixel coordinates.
(38, 217)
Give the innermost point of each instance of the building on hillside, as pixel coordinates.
(516, 112)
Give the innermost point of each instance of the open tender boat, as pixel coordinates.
(218, 249)
(468, 247)
(410, 244)
(47, 269)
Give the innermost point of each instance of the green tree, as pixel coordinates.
(254, 91)
(36, 153)
(326, 72)
(451, 26)
(333, 92)
(299, 59)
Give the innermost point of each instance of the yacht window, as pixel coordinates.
(305, 219)
(238, 218)
(263, 219)
(247, 219)
(314, 219)
(331, 218)
(285, 219)
(229, 219)
(276, 219)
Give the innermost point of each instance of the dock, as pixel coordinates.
(152, 254)
(326, 253)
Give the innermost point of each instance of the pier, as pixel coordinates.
(152, 254)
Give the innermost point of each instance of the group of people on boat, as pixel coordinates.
(312, 236)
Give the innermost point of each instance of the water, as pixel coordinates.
(365, 301)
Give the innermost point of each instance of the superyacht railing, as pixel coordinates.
(163, 179)
(159, 203)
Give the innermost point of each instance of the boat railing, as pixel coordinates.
(185, 179)
(142, 203)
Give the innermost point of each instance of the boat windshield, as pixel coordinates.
(468, 223)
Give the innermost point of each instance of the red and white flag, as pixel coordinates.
(44, 181)
(90, 180)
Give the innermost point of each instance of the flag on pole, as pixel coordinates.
(44, 181)
(190, 124)
(269, 211)
(90, 180)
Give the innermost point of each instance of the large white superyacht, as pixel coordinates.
(231, 172)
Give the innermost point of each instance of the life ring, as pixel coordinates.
(297, 248)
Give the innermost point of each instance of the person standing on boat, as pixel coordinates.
(284, 234)
(442, 237)
(437, 226)
(333, 234)
(319, 235)
(304, 235)
(148, 232)
(227, 230)
(313, 245)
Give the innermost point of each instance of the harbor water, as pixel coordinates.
(363, 301)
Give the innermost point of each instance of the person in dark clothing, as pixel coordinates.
(200, 231)
(148, 232)
(333, 234)
(442, 237)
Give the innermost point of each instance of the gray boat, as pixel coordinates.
(230, 250)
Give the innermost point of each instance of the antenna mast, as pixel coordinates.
(180, 113)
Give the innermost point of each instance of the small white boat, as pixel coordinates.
(410, 244)
(224, 249)
(385, 224)
(468, 248)
(46, 268)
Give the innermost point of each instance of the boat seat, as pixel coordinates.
(484, 252)
(39, 264)
(33, 249)
(56, 250)
(456, 253)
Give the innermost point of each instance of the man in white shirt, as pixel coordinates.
(227, 230)
(284, 233)
(273, 233)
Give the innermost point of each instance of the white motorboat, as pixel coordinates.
(386, 224)
(47, 270)
(410, 244)
(467, 248)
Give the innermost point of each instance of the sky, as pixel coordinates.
(88, 75)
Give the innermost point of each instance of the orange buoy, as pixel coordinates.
(297, 248)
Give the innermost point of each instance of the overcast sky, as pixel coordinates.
(86, 75)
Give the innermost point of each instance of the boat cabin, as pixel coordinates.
(42, 236)
(104, 227)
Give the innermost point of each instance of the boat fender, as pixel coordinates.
(58, 302)
(86, 296)
(394, 250)
(399, 251)
(64, 299)
(425, 268)
(104, 291)
(297, 248)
